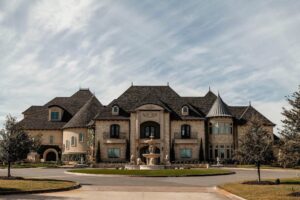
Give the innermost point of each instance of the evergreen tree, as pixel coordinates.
(15, 143)
(201, 152)
(172, 152)
(289, 154)
(255, 146)
(98, 153)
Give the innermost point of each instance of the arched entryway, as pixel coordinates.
(150, 128)
(145, 150)
(50, 155)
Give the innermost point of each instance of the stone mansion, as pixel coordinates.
(184, 128)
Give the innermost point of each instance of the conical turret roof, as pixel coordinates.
(219, 109)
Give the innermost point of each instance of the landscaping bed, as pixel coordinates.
(20, 185)
(155, 173)
(285, 189)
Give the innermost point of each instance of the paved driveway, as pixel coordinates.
(141, 188)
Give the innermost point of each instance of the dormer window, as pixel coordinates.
(115, 110)
(54, 116)
(185, 110)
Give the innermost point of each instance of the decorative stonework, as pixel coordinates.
(149, 114)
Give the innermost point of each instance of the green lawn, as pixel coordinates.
(156, 173)
(266, 192)
(27, 185)
(32, 165)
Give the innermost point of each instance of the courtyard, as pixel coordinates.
(116, 187)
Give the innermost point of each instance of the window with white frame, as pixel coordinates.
(115, 110)
(67, 144)
(185, 110)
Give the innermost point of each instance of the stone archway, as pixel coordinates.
(50, 155)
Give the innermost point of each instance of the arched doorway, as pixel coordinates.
(50, 155)
(150, 128)
(145, 150)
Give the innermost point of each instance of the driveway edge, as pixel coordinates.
(228, 194)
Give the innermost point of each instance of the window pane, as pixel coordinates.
(186, 153)
(113, 153)
(54, 115)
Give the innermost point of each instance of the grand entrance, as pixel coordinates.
(150, 128)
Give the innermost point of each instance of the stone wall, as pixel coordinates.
(102, 135)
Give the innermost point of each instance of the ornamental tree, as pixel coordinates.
(289, 150)
(15, 143)
(255, 146)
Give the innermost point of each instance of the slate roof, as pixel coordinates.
(82, 108)
(36, 117)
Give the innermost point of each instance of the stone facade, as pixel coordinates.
(185, 129)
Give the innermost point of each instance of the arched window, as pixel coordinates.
(114, 131)
(185, 110)
(150, 128)
(115, 110)
(185, 131)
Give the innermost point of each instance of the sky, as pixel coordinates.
(246, 50)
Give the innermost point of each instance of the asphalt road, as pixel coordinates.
(122, 187)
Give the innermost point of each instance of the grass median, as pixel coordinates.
(17, 186)
(155, 173)
(288, 189)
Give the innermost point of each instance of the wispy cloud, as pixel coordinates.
(246, 50)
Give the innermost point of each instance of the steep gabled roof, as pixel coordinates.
(251, 112)
(37, 117)
(219, 109)
(85, 114)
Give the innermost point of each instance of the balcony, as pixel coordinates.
(186, 141)
(106, 135)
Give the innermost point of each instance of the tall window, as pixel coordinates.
(114, 131)
(54, 116)
(185, 131)
(186, 153)
(210, 152)
(51, 139)
(81, 137)
(216, 151)
(220, 128)
(150, 129)
(228, 156)
(113, 153)
(222, 152)
(73, 141)
(67, 144)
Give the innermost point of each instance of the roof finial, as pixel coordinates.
(218, 93)
(209, 88)
(131, 83)
(249, 103)
(167, 83)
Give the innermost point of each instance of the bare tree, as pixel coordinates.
(15, 143)
(255, 146)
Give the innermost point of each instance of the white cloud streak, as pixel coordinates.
(246, 50)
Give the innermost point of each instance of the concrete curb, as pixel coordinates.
(117, 175)
(76, 186)
(254, 169)
(228, 194)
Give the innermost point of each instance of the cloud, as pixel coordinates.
(245, 50)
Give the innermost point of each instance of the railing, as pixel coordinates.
(177, 135)
(106, 135)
